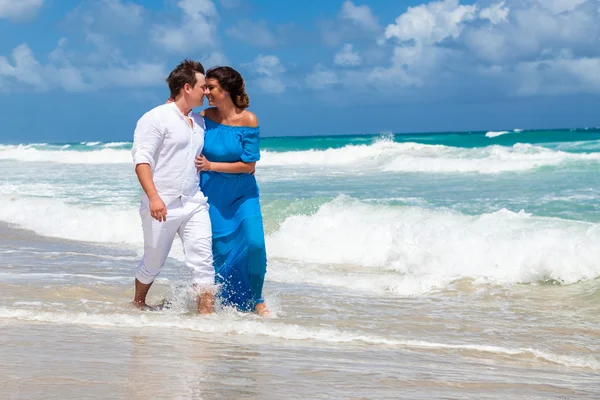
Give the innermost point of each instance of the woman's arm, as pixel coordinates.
(238, 167)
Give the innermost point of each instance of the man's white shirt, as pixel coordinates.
(164, 139)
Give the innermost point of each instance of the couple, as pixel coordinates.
(217, 213)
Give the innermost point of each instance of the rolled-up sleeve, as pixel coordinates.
(147, 138)
(251, 145)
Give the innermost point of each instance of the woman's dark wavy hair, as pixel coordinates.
(232, 82)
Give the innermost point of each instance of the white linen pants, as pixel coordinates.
(187, 217)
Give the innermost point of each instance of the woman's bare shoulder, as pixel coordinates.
(249, 119)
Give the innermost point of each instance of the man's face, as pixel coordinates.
(196, 93)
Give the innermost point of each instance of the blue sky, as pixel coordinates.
(73, 70)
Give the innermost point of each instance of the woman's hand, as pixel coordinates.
(202, 164)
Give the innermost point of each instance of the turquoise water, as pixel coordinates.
(455, 139)
(519, 180)
(456, 265)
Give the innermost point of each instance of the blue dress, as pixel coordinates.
(239, 254)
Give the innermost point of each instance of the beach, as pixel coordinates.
(433, 266)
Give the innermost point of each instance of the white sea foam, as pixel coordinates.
(369, 247)
(115, 144)
(493, 134)
(381, 156)
(55, 218)
(387, 156)
(227, 325)
(587, 145)
(376, 248)
(13, 276)
(64, 156)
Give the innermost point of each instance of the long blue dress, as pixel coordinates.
(239, 254)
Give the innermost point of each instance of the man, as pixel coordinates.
(165, 143)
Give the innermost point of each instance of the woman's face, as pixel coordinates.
(216, 94)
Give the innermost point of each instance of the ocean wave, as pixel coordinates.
(231, 325)
(116, 144)
(66, 277)
(493, 134)
(405, 250)
(56, 218)
(387, 156)
(581, 146)
(65, 155)
(370, 247)
(381, 156)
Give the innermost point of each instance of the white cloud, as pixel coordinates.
(352, 22)
(19, 9)
(413, 66)
(103, 32)
(135, 75)
(102, 50)
(271, 85)
(534, 31)
(431, 23)
(23, 68)
(359, 15)
(215, 59)
(229, 4)
(270, 71)
(107, 16)
(255, 33)
(197, 28)
(268, 65)
(322, 78)
(487, 44)
(556, 76)
(496, 13)
(129, 14)
(444, 39)
(347, 56)
(560, 6)
(514, 47)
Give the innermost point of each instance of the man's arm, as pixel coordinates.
(158, 210)
(146, 140)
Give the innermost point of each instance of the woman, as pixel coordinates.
(231, 150)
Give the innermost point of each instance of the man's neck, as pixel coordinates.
(183, 105)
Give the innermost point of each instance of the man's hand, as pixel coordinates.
(158, 210)
(202, 164)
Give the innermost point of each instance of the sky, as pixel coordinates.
(73, 70)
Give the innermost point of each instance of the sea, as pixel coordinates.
(457, 265)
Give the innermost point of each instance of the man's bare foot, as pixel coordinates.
(262, 310)
(143, 306)
(139, 299)
(206, 303)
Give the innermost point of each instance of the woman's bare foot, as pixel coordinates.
(262, 310)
